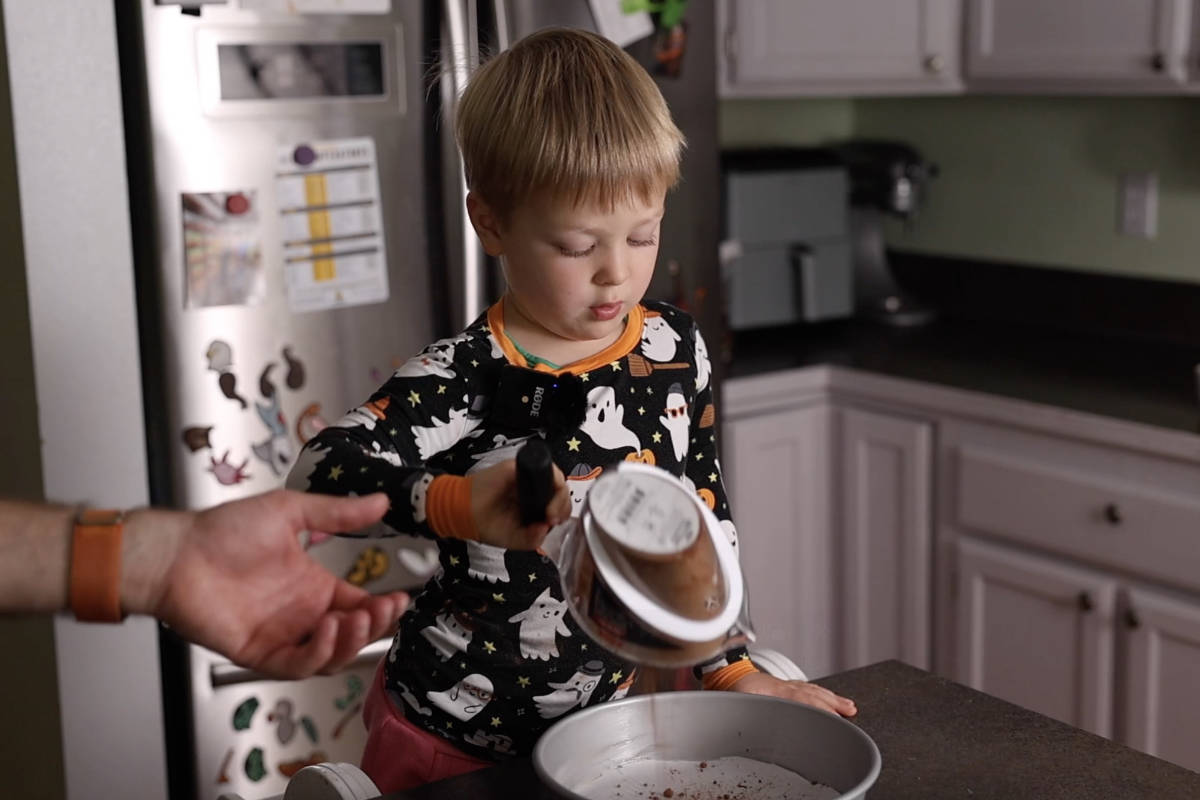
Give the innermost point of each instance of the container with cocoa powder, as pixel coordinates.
(649, 572)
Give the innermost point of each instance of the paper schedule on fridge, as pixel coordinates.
(327, 193)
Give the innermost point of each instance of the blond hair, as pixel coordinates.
(567, 112)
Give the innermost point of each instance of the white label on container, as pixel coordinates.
(644, 512)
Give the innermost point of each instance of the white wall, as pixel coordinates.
(69, 145)
(30, 749)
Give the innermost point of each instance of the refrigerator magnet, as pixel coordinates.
(255, 766)
(222, 249)
(289, 768)
(220, 360)
(354, 690)
(295, 369)
(219, 355)
(223, 772)
(371, 563)
(670, 43)
(196, 438)
(349, 715)
(228, 474)
(310, 422)
(244, 713)
(275, 452)
(266, 387)
(285, 725)
(271, 415)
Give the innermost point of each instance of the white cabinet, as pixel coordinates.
(885, 537)
(1077, 45)
(777, 476)
(1162, 690)
(1044, 634)
(774, 48)
(1045, 556)
(1093, 551)
(833, 505)
(1036, 632)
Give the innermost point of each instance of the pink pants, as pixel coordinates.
(399, 755)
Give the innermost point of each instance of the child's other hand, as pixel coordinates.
(496, 512)
(800, 691)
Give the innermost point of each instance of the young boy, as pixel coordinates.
(569, 151)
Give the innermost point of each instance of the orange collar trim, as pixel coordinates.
(622, 347)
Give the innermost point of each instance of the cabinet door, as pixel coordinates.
(1162, 689)
(798, 47)
(885, 537)
(1036, 632)
(776, 471)
(1101, 43)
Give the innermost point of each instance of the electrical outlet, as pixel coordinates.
(1137, 204)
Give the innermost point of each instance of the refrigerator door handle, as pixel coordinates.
(461, 26)
(500, 13)
(226, 673)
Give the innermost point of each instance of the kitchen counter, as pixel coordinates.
(938, 740)
(1118, 347)
(1140, 382)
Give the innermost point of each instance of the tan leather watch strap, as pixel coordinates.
(96, 566)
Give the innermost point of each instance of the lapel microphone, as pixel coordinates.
(527, 400)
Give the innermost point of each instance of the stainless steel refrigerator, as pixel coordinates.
(299, 229)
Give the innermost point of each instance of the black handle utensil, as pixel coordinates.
(535, 481)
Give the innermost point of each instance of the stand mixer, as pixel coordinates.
(886, 179)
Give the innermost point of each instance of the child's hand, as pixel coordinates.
(799, 691)
(496, 512)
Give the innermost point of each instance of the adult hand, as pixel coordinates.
(235, 579)
(497, 515)
(799, 691)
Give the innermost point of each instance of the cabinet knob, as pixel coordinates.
(1159, 62)
(934, 63)
(1112, 514)
(1085, 602)
(1132, 620)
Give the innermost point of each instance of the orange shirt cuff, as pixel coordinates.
(726, 677)
(448, 507)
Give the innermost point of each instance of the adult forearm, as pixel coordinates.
(35, 556)
(35, 552)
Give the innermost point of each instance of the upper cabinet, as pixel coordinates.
(1084, 45)
(807, 48)
(778, 48)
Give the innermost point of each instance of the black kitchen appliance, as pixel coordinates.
(887, 178)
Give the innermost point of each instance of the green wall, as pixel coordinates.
(746, 123)
(1023, 179)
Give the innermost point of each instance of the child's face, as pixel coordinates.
(577, 272)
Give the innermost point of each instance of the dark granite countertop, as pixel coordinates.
(1142, 382)
(1117, 347)
(938, 739)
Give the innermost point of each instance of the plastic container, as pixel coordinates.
(649, 573)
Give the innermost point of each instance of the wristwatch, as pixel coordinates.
(96, 565)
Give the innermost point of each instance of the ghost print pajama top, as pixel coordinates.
(487, 654)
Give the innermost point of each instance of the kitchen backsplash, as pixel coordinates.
(1025, 179)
